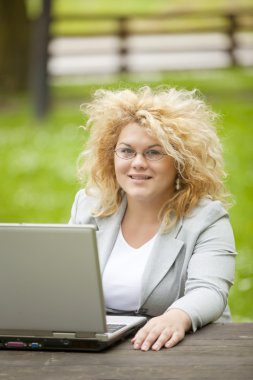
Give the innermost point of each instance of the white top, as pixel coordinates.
(122, 276)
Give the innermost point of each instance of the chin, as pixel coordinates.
(139, 197)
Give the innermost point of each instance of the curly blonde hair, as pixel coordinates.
(182, 123)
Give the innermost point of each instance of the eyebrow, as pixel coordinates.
(149, 147)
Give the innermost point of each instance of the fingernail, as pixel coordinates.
(136, 346)
(144, 347)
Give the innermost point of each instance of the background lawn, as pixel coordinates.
(134, 7)
(38, 160)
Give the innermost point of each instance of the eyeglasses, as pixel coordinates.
(149, 154)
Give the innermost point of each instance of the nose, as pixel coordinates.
(139, 161)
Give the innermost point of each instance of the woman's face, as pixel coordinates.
(140, 178)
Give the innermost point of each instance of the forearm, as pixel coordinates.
(202, 306)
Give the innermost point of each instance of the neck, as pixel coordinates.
(140, 223)
(141, 212)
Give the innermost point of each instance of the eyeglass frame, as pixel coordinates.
(142, 153)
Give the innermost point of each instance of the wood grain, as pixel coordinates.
(214, 352)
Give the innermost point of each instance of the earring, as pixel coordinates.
(178, 185)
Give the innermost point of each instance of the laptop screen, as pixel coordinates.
(50, 279)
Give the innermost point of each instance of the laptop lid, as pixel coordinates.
(50, 280)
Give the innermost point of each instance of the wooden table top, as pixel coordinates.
(216, 351)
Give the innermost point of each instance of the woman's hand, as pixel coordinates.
(164, 331)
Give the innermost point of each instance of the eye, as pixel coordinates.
(153, 154)
(127, 151)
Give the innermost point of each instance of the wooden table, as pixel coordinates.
(215, 352)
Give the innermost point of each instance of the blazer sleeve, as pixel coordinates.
(81, 212)
(210, 274)
(74, 209)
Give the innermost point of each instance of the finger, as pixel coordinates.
(150, 339)
(166, 334)
(139, 338)
(175, 339)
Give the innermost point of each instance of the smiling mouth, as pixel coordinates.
(140, 177)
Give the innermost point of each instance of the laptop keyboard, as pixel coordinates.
(111, 328)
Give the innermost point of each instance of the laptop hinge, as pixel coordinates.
(102, 337)
(73, 335)
(64, 335)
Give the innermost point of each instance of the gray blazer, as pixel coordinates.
(190, 268)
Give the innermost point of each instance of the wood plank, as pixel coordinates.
(225, 331)
(215, 352)
(200, 371)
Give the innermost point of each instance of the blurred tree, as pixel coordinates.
(14, 45)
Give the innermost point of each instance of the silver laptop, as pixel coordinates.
(51, 295)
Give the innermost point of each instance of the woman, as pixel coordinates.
(154, 172)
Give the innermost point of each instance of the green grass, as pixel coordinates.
(141, 6)
(37, 164)
(38, 159)
(134, 8)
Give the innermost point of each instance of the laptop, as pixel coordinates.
(51, 295)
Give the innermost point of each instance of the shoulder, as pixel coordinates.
(82, 208)
(208, 220)
(206, 212)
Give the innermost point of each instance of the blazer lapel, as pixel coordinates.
(108, 229)
(164, 252)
